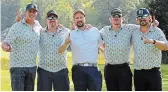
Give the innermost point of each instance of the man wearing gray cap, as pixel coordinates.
(148, 41)
(22, 42)
(84, 43)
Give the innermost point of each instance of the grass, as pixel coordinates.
(5, 75)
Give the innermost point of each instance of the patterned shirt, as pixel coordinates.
(117, 44)
(49, 59)
(24, 40)
(147, 56)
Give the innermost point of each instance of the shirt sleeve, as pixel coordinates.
(101, 33)
(11, 36)
(161, 35)
(100, 41)
(4, 34)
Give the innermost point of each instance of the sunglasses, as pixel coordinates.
(142, 17)
(52, 18)
(116, 16)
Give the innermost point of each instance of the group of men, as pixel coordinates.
(27, 38)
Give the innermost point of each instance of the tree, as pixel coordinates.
(8, 12)
(104, 8)
(160, 9)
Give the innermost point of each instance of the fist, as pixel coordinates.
(147, 41)
(6, 47)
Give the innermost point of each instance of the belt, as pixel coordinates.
(117, 65)
(86, 64)
(155, 68)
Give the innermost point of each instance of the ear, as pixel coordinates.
(73, 20)
(110, 20)
(122, 19)
(25, 13)
(137, 21)
(150, 19)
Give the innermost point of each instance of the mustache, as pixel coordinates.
(79, 22)
(31, 16)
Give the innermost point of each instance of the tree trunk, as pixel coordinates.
(164, 57)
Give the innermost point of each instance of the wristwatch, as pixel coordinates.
(154, 41)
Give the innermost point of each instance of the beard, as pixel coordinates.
(80, 24)
(52, 24)
(143, 23)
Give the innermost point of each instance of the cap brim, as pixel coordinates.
(32, 8)
(145, 15)
(116, 14)
(52, 14)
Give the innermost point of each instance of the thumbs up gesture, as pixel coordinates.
(67, 40)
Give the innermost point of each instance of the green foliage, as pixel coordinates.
(160, 11)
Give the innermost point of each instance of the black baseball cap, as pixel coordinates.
(31, 6)
(79, 11)
(143, 12)
(52, 12)
(116, 11)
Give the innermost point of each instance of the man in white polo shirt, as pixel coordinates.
(84, 43)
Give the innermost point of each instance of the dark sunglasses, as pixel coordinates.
(52, 18)
(142, 17)
(116, 16)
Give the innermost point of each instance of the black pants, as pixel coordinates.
(148, 80)
(46, 80)
(22, 78)
(118, 77)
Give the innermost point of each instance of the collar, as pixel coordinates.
(59, 30)
(86, 29)
(111, 27)
(24, 22)
(150, 29)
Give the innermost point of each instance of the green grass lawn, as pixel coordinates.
(5, 75)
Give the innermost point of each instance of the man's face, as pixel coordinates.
(31, 14)
(79, 19)
(52, 20)
(116, 19)
(143, 21)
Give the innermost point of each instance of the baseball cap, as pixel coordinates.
(79, 11)
(31, 6)
(116, 11)
(52, 12)
(143, 12)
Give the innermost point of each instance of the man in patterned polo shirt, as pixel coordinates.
(52, 68)
(148, 42)
(117, 42)
(22, 42)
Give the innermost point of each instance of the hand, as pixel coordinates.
(19, 15)
(73, 26)
(147, 41)
(6, 47)
(89, 26)
(155, 22)
(68, 40)
(60, 25)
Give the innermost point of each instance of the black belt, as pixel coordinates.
(117, 65)
(155, 68)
